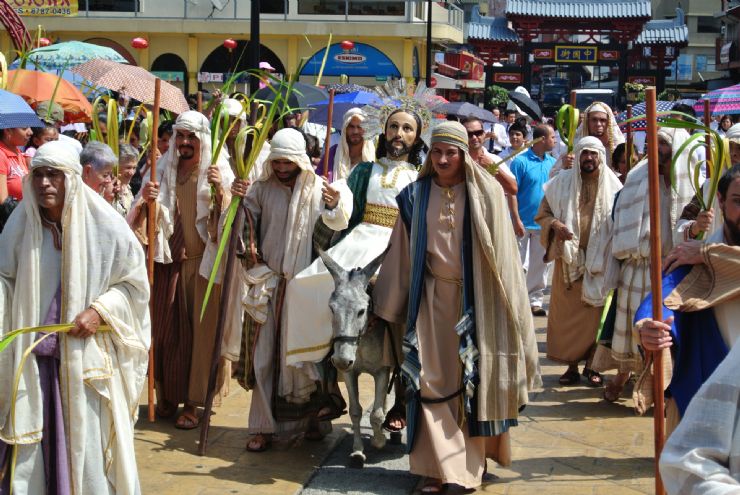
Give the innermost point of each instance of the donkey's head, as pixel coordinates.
(349, 305)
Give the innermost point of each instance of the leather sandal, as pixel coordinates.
(570, 377)
(395, 413)
(593, 378)
(612, 391)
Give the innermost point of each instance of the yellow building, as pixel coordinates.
(186, 37)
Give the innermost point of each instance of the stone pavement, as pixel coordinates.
(569, 441)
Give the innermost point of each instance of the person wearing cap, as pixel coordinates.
(190, 194)
(282, 207)
(576, 207)
(449, 277)
(69, 258)
(52, 114)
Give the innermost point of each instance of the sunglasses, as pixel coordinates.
(477, 133)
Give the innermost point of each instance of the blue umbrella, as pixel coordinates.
(15, 112)
(640, 109)
(342, 103)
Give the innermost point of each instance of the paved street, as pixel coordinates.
(569, 442)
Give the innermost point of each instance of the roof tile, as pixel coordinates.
(583, 9)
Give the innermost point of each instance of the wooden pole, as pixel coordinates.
(151, 220)
(200, 101)
(708, 137)
(573, 98)
(327, 142)
(205, 422)
(656, 287)
(628, 148)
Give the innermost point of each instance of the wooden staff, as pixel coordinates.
(200, 101)
(150, 224)
(573, 98)
(708, 137)
(655, 277)
(205, 422)
(628, 149)
(327, 142)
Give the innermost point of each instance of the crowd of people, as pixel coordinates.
(475, 220)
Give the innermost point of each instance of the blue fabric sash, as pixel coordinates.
(698, 346)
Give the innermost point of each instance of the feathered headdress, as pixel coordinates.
(397, 95)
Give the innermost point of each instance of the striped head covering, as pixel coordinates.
(448, 132)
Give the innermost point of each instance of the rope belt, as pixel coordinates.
(382, 215)
(449, 280)
(424, 400)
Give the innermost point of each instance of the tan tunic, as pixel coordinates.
(571, 323)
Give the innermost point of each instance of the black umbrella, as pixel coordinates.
(465, 109)
(526, 104)
(301, 97)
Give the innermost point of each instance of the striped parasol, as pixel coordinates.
(725, 101)
(130, 80)
(639, 111)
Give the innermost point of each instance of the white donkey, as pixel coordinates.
(358, 346)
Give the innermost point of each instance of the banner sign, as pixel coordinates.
(576, 54)
(542, 53)
(44, 7)
(170, 76)
(507, 77)
(609, 55)
(362, 60)
(645, 80)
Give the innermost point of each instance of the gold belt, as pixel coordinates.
(382, 215)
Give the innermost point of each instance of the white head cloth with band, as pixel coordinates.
(612, 128)
(101, 265)
(342, 163)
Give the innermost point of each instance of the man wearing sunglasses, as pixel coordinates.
(476, 136)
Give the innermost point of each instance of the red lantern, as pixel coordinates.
(433, 82)
(230, 44)
(139, 43)
(347, 45)
(44, 42)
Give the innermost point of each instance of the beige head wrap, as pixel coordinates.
(287, 144)
(612, 129)
(450, 132)
(59, 155)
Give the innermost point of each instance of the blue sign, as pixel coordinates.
(362, 60)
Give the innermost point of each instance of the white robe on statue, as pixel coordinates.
(308, 318)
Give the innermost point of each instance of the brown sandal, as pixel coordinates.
(432, 485)
(262, 442)
(187, 421)
(570, 377)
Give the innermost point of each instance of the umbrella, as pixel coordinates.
(304, 96)
(16, 112)
(90, 90)
(35, 86)
(340, 89)
(725, 101)
(638, 110)
(135, 82)
(70, 53)
(342, 103)
(526, 104)
(465, 109)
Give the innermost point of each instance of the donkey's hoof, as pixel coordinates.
(396, 438)
(357, 460)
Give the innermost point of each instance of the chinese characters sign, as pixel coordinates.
(576, 54)
(44, 7)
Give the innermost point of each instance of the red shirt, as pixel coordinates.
(13, 167)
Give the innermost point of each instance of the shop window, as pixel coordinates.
(322, 7)
(358, 7)
(110, 5)
(273, 6)
(708, 24)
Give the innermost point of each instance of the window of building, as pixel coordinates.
(322, 7)
(110, 5)
(363, 7)
(273, 6)
(708, 24)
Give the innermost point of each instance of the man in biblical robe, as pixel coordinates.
(281, 209)
(470, 355)
(190, 195)
(351, 149)
(69, 258)
(577, 204)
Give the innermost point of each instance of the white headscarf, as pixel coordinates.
(612, 129)
(563, 194)
(103, 267)
(733, 134)
(287, 144)
(235, 109)
(342, 164)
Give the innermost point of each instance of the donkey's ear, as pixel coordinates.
(336, 271)
(373, 266)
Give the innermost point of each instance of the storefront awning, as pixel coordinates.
(444, 82)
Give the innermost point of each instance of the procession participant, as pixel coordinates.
(128, 157)
(619, 161)
(631, 248)
(69, 257)
(576, 207)
(449, 263)
(702, 307)
(374, 186)
(478, 152)
(97, 161)
(234, 107)
(532, 169)
(186, 244)
(281, 209)
(352, 148)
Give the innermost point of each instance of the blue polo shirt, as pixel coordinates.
(531, 173)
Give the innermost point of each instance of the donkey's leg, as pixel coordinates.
(357, 457)
(377, 415)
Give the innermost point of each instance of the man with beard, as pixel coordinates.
(189, 196)
(281, 208)
(701, 305)
(576, 206)
(374, 186)
(351, 149)
(478, 152)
